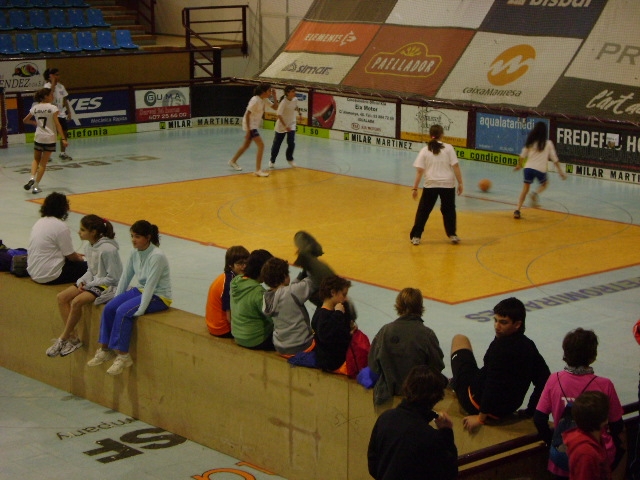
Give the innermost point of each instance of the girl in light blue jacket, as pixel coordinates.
(153, 294)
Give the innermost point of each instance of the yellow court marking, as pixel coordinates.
(363, 226)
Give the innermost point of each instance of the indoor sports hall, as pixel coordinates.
(153, 130)
(574, 260)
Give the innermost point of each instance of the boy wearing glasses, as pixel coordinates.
(512, 362)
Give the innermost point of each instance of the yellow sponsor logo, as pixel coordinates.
(511, 64)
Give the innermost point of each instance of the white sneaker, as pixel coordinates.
(415, 240)
(101, 357)
(272, 164)
(235, 166)
(70, 347)
(454, 239)
(55, 349)
(119, 364)
(261, 173)
(292, 163)
(535, 199)
(65, 156)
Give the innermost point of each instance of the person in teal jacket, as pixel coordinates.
(250, 327)
(153, 294)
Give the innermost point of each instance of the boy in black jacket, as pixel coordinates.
(512, 362)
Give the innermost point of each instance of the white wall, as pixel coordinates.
(269, 24)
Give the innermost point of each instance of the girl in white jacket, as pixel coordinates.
(100, 280)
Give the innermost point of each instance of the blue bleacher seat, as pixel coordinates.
(57, 3)
(105, 40)
(46, 43)
(20, 3)
(77, 18)
(85, 42)
(5, 4)
(78, 4)
(123, 40)
(4, 25)
(25, 43)
(67, 42)
(39, 4)
(58, 19)
(38, 19)
(6, 45)
(95, 18)
(18, 20)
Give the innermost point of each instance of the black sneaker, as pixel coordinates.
(29, 184)
(516, 214)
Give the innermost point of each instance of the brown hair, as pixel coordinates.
(99, 224)
(409, 301)
(434, 144)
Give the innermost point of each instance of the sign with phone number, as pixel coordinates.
(162, 104)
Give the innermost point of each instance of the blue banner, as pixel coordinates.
(502, 133)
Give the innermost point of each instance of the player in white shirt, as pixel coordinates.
(251, 121)
(537, 152)
(438, 164)
(44, 116)
(285, 126)
(60, 100)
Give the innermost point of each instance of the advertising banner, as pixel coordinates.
(365, 11)
(354, 115)
(310, 67)
(508, 69)
(99, 108)
(598, 146)
(553, 18)
(344, 38)
(415, 123)
(504, 133)
(162, 104)
(403, 59)
(436, 13)
(596, 99)
(21, 75)
(611, 52)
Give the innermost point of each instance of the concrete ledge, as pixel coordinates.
(300, 423)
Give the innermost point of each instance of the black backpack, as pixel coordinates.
(558, 450)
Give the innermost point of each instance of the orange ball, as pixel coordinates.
(484, 184)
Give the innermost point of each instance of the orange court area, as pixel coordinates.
(363, 227)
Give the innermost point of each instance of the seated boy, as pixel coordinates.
(250, 327)
(587, 455)
(284, 303)
(512, 362)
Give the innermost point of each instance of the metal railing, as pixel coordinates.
(145, 13)
(194, 19)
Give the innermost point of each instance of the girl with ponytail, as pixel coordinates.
(153, 294)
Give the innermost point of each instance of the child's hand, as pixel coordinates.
(339, 307)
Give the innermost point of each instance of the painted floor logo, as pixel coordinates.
(511, 64)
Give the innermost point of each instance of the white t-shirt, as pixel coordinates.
(539, 159)
(288, 111)
(49, 244)
(59, 94)
(256, 106)
(43, 114)
(438, 169)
